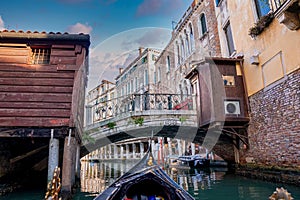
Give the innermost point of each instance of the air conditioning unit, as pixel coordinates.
(232, 107)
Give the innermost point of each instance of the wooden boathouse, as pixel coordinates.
(43, 78)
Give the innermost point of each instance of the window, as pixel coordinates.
(228, 80)
(154, 57)
(187, 44)
(229, 38)
(192, 41)
(131, 86)
(154, 78)
(178, 53)
(40, 55)
(159, 75)
(182, 48)
(146, 81)
(203, 24)
(128, 88)
(144, 60)
(217, 2)
(136, 83)
(262, 7)
(168, 63)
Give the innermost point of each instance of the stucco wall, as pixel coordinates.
(274, 40)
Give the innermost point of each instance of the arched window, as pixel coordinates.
(192, 40)
(182, 48)
(158, 74)
(187, 44)
(168, 63)
(178, 53)
(146, 80)
(203, 27)
(136, 84)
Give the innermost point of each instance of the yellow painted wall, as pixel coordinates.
(277, 46)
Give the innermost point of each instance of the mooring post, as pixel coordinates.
(68, 168)
(236, 150)
(77, 162)
(53, 159)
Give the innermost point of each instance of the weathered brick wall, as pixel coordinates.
(274, 131)
(225, 151)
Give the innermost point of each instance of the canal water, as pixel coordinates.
(212, 184)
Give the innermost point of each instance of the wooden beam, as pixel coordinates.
(59, 132)
(40, 166)
(39, 74)
(18, 158)
(37, 81)
(39, 97)
(20, 112)
(36, 105)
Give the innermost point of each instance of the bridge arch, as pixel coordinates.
(224, 148)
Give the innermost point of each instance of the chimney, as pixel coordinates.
(195, 2)
(141, 50)
(120, 70)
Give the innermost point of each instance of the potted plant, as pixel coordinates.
(261, 24)
(111, 125)
(139, 121)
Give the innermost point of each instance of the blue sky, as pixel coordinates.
(104, 20)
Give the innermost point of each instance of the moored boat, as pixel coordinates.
(194, 160)
(145, 181)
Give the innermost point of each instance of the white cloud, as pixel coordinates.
(79, 28)
(120, 50)
(1, 24)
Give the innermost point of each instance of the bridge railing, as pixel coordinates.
(117, 107)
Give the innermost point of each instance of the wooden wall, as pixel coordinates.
(212, 93)
(42, 95)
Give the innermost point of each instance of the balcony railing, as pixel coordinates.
(287, 12)
(141, 102)
(277, 3)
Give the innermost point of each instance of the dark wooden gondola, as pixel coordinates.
(145, 181)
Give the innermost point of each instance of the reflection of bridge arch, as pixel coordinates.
(224, 147)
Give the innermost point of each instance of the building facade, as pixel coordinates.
(139, 77)
(266, 34)
(98, 101)
(193, 38)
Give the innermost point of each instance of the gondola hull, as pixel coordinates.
(145, 181)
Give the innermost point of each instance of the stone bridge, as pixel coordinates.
(177, 120)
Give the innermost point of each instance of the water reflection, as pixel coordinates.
(96, 177)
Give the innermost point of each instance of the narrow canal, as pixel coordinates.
(212, 184)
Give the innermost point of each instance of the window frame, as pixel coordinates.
(168, 63)
(259, 9)
(192, 37)
(36, 60)
(203, 29)
(229, 39)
